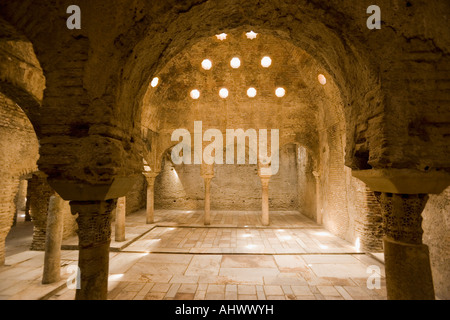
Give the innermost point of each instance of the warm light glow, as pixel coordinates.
(357, 244)
(154, 82)
(251, 246)
(280, 92)
(115, 277)
(322, 233)
(251, 92)
(322, 79)
(251, 35)
(207, 64)
(221, 36)
(280, 230)
(147, 169)
(246, 235)
(235, 63)
(286, 238)
(321, 246)
(266, 62)
(195, 94)
(223, 93)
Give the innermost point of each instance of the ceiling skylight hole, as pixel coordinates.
(195, 94)
(251, 92)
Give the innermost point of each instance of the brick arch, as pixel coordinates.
(21, 76)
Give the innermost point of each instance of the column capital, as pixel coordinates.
(150, 176)
(404, 181)
(265, 180)
(402, 216)
(207, 170)
(94, 221)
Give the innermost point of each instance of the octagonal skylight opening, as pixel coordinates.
(266, 62)
(195, 94)
(280, 92)
(223, 93)
(207, 64)
(251, 92)
(235, 63)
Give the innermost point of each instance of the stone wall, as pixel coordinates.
(234, 187)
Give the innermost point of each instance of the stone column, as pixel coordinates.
(52, 259)
(207, 173)
(27, 203)
(40, 193)
(319, 213)
(407, 261)
(20, 199)
(265, 200)
(94, 233)
(150, 177)
(22, 195)
(207, 180)
(120, 219)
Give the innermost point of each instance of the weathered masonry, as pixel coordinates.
(87, 115)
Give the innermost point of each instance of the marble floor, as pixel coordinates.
(234, 258)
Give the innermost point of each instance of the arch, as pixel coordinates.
(320, 37)
(21, 76)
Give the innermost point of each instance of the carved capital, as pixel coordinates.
(94, 221)
(150, 177)
(402, 216)
(265, 181)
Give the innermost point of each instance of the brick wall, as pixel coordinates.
(18, 156)
(234, 187)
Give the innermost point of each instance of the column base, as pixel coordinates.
(408, 271)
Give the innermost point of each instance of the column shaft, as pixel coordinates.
(52, 259)
(40, 193)
(407, 261)
(265, 201)
(120, 219)
(150, 200)
(207, 200)
(94, 233)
